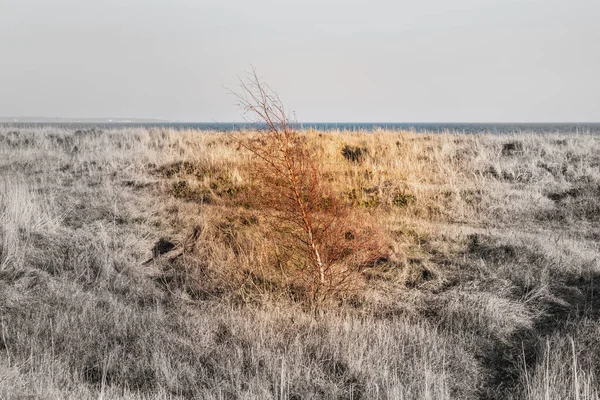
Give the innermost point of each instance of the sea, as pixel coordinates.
(493, 128)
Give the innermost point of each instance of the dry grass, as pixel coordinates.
(489, 292)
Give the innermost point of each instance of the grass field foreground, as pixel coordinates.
(133, 267)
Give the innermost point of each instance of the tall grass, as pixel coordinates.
(559, 374)
(488, 292)
(23, 214)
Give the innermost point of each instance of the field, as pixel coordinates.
(130, 268)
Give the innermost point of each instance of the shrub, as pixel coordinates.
(354, 154)
(318, 235)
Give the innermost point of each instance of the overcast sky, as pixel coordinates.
(330, 60)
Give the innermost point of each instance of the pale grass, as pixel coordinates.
(488, 293)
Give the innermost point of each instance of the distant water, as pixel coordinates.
(495, 128)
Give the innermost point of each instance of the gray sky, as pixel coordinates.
(330, 60)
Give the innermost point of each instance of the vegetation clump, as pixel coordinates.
(512, 148)
(354, 153)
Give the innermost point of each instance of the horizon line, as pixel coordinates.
(134, 120)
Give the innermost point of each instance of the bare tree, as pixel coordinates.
(318, 234)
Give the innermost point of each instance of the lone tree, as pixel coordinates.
(318, 235)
